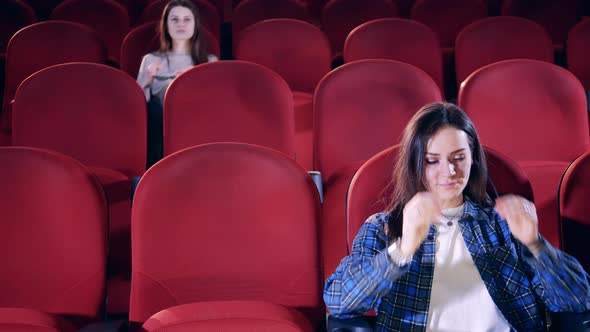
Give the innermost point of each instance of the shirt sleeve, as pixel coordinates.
(142, 77)
(559, 279)
(364, 276)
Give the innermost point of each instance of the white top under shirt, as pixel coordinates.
(459, 300)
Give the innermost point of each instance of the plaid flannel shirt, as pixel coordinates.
(520, 285)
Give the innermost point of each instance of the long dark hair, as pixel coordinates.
(198, 46)
(408, 174)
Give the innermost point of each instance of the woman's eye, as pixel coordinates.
(431, 161)
(459, 158)
(187, 20)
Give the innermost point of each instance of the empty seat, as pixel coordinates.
(248, 12)
(53, 244)
(371, 187)
(107, 17)
(339, 17)
(226, 212)
(42, 45)
(500, 38)
(300, 53)
(397, 39)
(207, 13)
(557, 16)
(352, 122)
(144, 39)
(535, 113)
(574, 215)
(236, 101)
(15, 15)
(448, 18)
(578, 52)
(96, 114)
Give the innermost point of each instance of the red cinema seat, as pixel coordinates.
(53, 244)
(352, 122)
(535, 113)
(340, 17)
(96, 114)
(248, 12)
(371, 187)
(578, 52)
(144, 39)
(107, 17)
(42, 45)
(229, 101)
(397, 39)
(43, 7)
(574, 211)
(207, 13)
(300, 53)
(241, 222)
(500, 38)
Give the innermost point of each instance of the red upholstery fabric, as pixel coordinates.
(42, 45)
(397, 39)
(107, 17)
(352, 122)
(241, 223)
(15, 14)
(96, 114)
(303, 109)
(144, 39)
(296, 50)
(500, 38)
(557, 16)
(370, 189)
(574, 209)
(448, 17)
(248, 12)
(53, 243)
(235, 101)
(578, 49)
(228, 316)
(19, 319)
(89, 111)
(340, 17)
(535, 113)
(207, 12)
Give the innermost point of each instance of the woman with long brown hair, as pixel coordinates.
(443, 256)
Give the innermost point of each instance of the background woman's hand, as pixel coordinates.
(521, 216)
(419, 213)
(153, 69)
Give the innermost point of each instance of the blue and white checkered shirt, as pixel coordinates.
(520, 285)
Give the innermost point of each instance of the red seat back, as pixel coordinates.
(53, 244)
(578, 50)
(248, 12)
(207, 13)
(370, 190)
(340, 17)
(397, 39)
(241, 223)
(94, 113)
(15, 14)
(296, 50)
(144, 39)
(500, 38)
(448, 17)
(107, 17)
(229, 101)
(354, 121)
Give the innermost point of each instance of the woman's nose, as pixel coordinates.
(448, 168)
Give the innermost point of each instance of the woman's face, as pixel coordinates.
(447, 165)
(181, 23)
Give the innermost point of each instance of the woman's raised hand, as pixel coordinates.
(419, 213)
(521, 216)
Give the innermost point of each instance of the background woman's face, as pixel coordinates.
(447, 165)
(181, 23)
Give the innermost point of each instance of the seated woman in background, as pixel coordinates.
(443, 257)
(182, 46)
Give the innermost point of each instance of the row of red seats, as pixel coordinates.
(203, 220)
(533, 111)
(339, 17)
